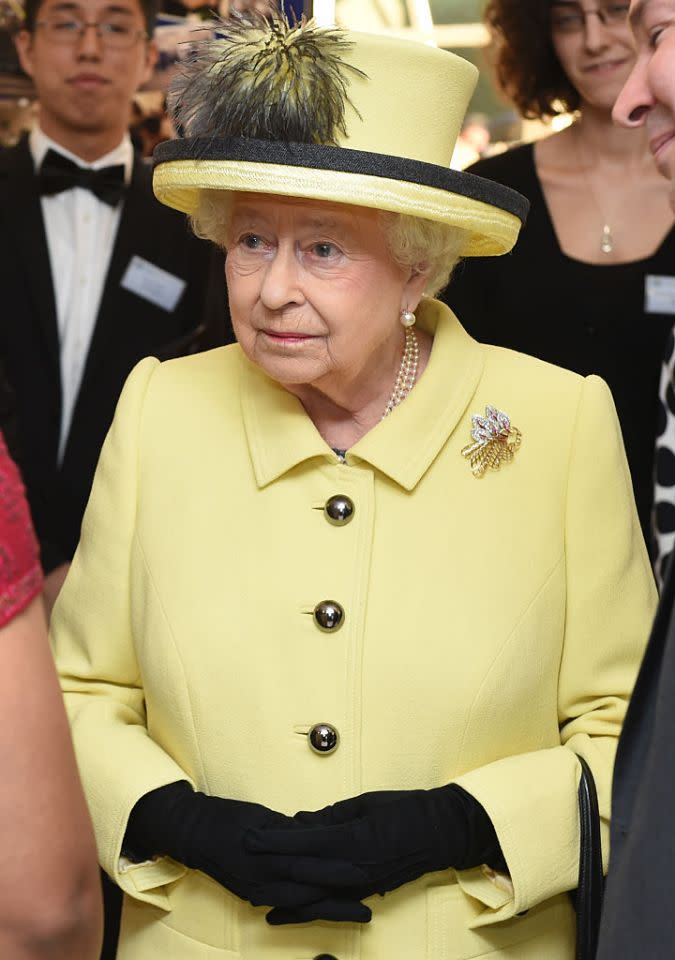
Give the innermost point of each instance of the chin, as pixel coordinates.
(290, 371)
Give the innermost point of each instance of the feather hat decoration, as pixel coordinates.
(265, 80)
(298, 110)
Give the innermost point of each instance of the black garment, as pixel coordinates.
(638, 917)
(58, 173)
(128, 328)
(588, 318)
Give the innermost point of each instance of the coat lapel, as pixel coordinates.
(23, 212)
(132, 225)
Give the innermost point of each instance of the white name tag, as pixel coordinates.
(659, 294)
(152, 283)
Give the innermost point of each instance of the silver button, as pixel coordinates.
(323, 738)
(339, 510)
(329, 616)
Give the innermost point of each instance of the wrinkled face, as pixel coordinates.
(85, 83)
(315, 296)
(648, 97)
(594, 45)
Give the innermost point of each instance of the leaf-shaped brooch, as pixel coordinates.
(496, 441)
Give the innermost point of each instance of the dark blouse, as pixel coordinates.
(588, 318)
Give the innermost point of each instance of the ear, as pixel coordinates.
(414, 288)
(151, 58)
(23, 42)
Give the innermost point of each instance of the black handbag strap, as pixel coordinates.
(591, 879)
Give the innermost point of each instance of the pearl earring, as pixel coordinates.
(408, 318)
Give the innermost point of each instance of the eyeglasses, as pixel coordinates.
(114, 34)
(570, 18)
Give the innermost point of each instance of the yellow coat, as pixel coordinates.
(492, 628)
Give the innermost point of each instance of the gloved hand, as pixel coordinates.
(392, 837)
(207, 833)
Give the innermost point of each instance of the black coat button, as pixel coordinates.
(329, 616)
(323, 738)
(339, 510)
(325, 956)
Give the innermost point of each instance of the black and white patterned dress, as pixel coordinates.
(664, 467)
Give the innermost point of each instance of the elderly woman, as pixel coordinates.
(357, 563)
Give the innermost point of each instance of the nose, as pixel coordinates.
(281, 286)
(635, 99)
(595, 33)
(89, 44)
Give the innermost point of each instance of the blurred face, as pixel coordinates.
(85, 82)
(648, 97)
(594, 45)
(315, 297)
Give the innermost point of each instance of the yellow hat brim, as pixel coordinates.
(490, 231)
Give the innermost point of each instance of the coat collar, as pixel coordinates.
(403, 447)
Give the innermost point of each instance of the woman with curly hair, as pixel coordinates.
(590, 285)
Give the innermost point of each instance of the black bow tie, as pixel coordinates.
(58, 173)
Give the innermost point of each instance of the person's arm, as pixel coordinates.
(50, 900)
(92, 631)
(531, 798)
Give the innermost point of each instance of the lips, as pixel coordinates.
(89, 80)
(607, 66)
(289, 337)
(658, 143)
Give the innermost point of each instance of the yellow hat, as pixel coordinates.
(328, 114)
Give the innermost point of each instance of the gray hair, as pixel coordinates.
(426, 246)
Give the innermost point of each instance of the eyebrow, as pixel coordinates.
(314, 223)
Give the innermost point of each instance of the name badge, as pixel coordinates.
(152, 283)
(659, 294)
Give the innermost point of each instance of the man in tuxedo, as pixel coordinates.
(95, 274)
(638, 918)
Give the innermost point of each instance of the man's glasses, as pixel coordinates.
(114, 34)
(570, 18)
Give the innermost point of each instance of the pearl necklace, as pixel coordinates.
(407, 372)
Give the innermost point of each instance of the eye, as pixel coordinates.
(66, 26)
(119, 29)
(325, 250)
(252, 241)
(567, 21)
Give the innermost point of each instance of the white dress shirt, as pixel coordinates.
(81, 232)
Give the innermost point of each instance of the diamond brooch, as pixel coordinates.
(495, 441)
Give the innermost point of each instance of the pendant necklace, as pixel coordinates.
(607, 239)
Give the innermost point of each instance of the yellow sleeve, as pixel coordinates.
(95, 656)
(532, 798)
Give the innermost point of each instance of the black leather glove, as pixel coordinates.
(393, 837)
(207, 833)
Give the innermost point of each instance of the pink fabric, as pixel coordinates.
(20, 571)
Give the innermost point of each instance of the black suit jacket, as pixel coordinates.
(128, 328)
(639, 913)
